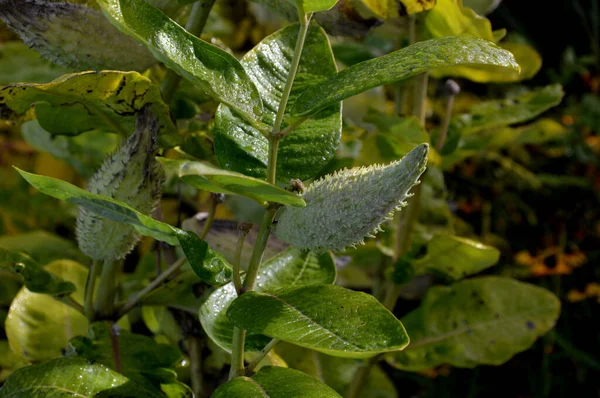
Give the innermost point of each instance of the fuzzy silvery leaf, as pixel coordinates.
(131, 175)
(345, 207)
(74, 35)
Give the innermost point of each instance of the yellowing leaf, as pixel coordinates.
(450, 18)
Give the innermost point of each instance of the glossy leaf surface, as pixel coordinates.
(69, 378)
(275, 382)
(304, 152)
(214, 70)
(205, 176)
(141, 359)
(399, 65)
(456, 257)
(478, 321)
(325, 318)
(86, 101)
(290, 268)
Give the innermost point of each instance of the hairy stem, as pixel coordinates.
(359, 379)
(261, 355)
(151, 287)
(195, 25)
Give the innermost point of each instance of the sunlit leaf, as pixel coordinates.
(86, 101)
(72, 377)
(325, 318)
(205, 176)
(39, 328)
(214, 70)
(290, 268)
(304, 152)
(399, 65)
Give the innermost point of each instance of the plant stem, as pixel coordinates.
(114, 340)
(287, 89)
(195, 25)
(68, 300)
(211, 217)
(194, 352)
(239, 335)
(151, 287)
(243, 230)
(105, 297)
(359, 379)
(261, 355)
(88, 303)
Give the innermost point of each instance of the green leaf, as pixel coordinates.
(71, 377)
(36, 278)
(315, 5)
(498, 113)
(84, 152)
(275, 382)
(345, 207)
(39, 328)
(304, 152)
(399, 65)
(456, 257)
(74, 35)
(214, 70)
(205, 176)
(86, 101)
(290, 268)
(478, 321)
(325, 318)
(141, 359)
(14, 53)
(103, 206)
(42, 246)
(209, 265)
(337, 373)
(528, 59)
